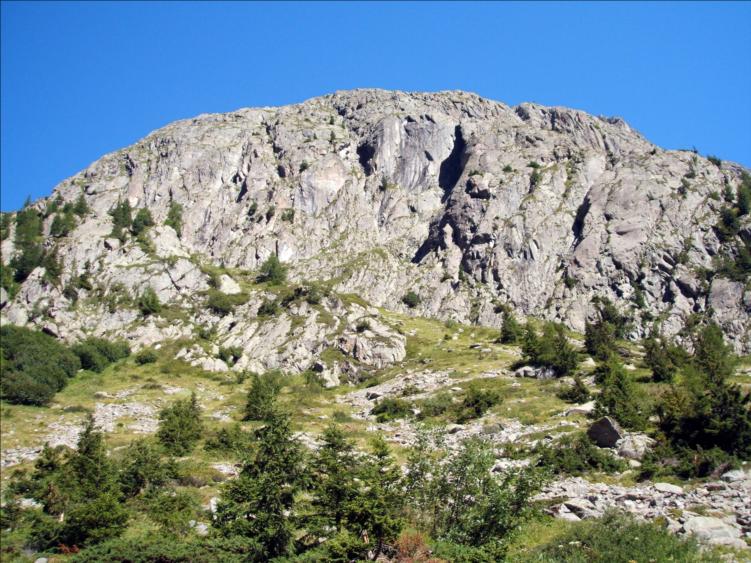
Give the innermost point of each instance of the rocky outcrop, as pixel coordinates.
(467, 202)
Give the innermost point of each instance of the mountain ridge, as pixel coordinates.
(469, 202)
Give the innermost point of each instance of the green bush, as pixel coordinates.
(148, 302)
(268, 308)
(180, 426)
(461, 501)
(575, 455)
(122, 219)
(142, 469)
(272, 271)
(390, 409)
(96, 354)
(142, 221)
(475, 403)
(576, 393)
(146, 356)
(663, 358)
(223, 304)
(511, 331)
(619, 538)
(34, 366)
(599, 339)
(230, 440)
(175, 218)
(551, 350)
(411, 299)
(436, 405)
(230, 355)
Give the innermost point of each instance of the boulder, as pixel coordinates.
(668, 488)
(605, 432)
(228, 285)
(634, 446)
(735, 475)
(585, 408)
(714, 531)
(582, 507)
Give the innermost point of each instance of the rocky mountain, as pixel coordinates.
(466, 202)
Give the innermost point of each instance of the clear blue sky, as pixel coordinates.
(82, 79)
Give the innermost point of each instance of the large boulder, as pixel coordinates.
(606, 432)
(714, 531)
(634, 446)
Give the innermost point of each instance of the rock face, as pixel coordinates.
(467, 202)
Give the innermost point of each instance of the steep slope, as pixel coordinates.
(467, 202)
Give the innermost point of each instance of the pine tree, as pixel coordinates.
(142, 221)
(511, 331)
(376, 510)
(333, 473)
(175, 218)
(261, 400)
(180, 426)
(273, 271)
(619, 397)
(259, 505)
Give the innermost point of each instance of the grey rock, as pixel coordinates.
(735, 475)
(714, 531)
(634, 446)
(228, 285)
(668, 488)
(605, 432)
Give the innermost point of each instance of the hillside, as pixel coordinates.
(541, 313)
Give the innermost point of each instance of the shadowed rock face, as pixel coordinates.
(468, 202)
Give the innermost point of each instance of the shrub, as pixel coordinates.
(146, 356)
(96, 354)
(175, 218)
(232, 440)
(288, 215)
(173, 510)
(180, 426)
(462, 501)
(62, 225)
(390, 409)
(576, 393)
(223, 304)
(436, 405)
(272, 271)
(34, 366)
(619, 537)
(574, 455)
(142, 469)
(230, 354)
(599, 339)
(508, 168)
(511, 331)
(475, 403)
(411, 299)
(142, 221)
(122, 218)
(268, 308)
(551, 350)
(714, 160)
(261, 400)
(148, 302)
(663, 359)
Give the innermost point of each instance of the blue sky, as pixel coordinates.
(82, 79)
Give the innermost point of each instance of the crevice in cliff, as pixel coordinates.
(452, 166)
